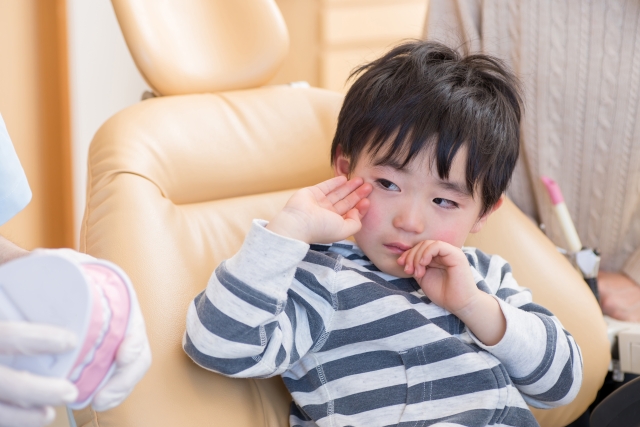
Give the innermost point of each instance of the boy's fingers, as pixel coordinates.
(352, 215)
(421, 270)
(352, 222)
(343, 190)
(409, 258)
(418, 266)
(404, 257)
(363, 207)
(352, 199)
(331, 184)
(426, 254)
(412, 257)
(415, 258)
(442, 252)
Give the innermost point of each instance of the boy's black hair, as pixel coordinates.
(423, 94)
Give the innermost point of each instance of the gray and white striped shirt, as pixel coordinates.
(358, 347)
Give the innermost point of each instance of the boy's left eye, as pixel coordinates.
(445, 203)
(387, 185)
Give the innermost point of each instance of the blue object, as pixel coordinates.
(15, 193)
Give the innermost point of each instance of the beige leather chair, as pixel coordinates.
(174, 182)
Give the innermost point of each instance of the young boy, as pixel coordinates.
(405, 327)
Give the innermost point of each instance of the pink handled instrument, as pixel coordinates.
(568, 229)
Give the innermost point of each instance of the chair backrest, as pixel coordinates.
(196, 46)
(174, 183)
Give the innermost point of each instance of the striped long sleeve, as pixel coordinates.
(247, 322)
(356, 346)
(542, 359)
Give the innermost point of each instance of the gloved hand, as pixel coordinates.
(27, 400)
(132, 362)
(133, 357)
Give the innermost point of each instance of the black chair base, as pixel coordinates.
(620, 409)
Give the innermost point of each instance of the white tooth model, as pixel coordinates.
(91, 299)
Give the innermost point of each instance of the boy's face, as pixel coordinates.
(412, 205)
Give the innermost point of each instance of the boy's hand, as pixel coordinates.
(442, 271)
(324, 213)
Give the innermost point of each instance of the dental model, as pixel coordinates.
(91, 298)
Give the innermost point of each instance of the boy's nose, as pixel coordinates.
(409, 220)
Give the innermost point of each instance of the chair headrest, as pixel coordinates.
(198, 46)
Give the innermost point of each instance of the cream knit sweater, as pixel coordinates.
(579, 62)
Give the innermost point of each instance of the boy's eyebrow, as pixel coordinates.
(456, 187)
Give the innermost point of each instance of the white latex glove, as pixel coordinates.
(132, 362)
(27, 400)
(133, 357)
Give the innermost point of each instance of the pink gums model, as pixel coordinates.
(106, 332)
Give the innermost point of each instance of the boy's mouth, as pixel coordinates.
(397, 248)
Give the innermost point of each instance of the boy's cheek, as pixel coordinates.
(370, 224)
(453, 237)
(372, 219)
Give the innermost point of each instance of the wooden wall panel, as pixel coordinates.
(329, 38)
(19, 107)
(302, 62)
(34, 103)
(376, 22)
(56, 124)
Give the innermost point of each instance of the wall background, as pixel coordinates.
(34, 104)
(19, 106)
(328, 39)
(103, 80)
(71, 70)
(66, 69)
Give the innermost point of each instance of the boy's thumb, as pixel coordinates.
(352, 222)
(362, 207)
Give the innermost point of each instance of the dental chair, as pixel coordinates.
(175, 180)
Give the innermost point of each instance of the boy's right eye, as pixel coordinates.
(387, 185)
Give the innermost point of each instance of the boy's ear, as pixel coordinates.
(341, 166)
(483, 219)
